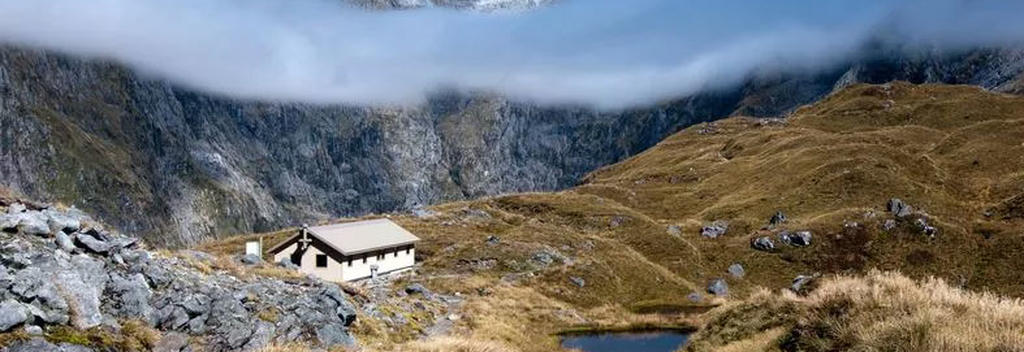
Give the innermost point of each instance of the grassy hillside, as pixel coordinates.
(626, 242)
(877, 312)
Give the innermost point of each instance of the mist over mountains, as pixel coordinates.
(167, 159)
(608, 54)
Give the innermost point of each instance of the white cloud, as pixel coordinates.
(607, 53)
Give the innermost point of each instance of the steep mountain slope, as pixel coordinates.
(179, 166)
(628, 241)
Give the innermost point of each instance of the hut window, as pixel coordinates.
(321, 260)
(364, 259)
(349, 261)
(396, 253)
(407, 251)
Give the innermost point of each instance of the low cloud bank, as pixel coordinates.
(605, 53)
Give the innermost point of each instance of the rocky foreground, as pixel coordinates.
(65, 281)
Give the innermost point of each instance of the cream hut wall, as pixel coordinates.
(350, 251)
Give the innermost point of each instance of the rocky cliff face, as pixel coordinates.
(178, 166)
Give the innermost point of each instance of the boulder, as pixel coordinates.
(333, 336)
(33, 345)
(618, 220)
(130, 296)
(9, 222)
(763, 243)
(171, 342)
(801, 239)
(493, 240)
(64, 242)
(888, 225)
(251, 259)
(260, 337)
(60, 222)
(898, 208)
(423, 213)
(694, 297)
(578, 281)
(545, 258)
(718, 287)
(12, 314)
(736, 270)
(674, 230)
(84, 281)
(34, 223)
(92, 243)
(16, 208)
(416, 289)
(777, 219)
(34, 330)
(930, 231)
(287, 264)
(714, 229)
(346, 311)
(803, 284)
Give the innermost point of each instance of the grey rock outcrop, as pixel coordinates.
(106, 278)
(41, 345)
(715, 229)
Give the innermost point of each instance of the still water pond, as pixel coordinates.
(657, 341)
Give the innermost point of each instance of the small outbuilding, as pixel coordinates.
(350, 251)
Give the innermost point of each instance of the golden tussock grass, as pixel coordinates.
(440, 344)
(454, 344)
(876, 312)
